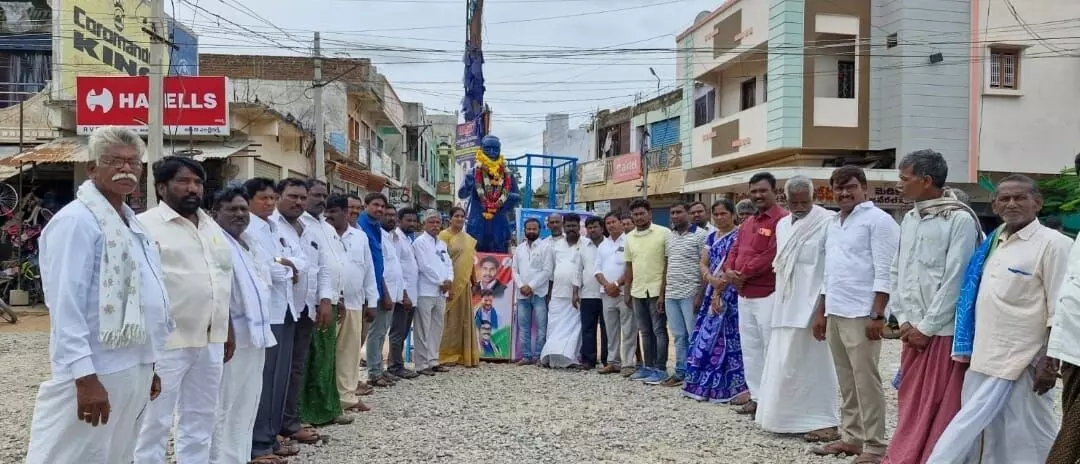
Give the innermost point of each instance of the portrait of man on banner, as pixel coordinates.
(493, 305)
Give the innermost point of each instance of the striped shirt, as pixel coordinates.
(683, 252)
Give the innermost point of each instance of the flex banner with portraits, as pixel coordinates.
(493, 305)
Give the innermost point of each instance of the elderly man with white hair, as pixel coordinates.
(799, 388)
(108, 310)
(436, 277)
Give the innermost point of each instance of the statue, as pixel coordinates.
(492, 193)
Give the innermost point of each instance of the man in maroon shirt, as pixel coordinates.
(749, 268)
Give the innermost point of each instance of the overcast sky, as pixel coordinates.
(418, 45)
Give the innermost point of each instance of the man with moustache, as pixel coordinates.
(402, 238)
(555, 227)
(269, 237)
(249, 311)
(319, 404)
(197, 265)
(393, 273)
(532, 270)
(798, 387)
(621, 327)
(592, 306)
(356, 206)
(103, 344)
(370, 223)
(292, 200)
(749, 267)
(682, 290)
(353, 258)
(699, 216)
(860, 244)
(627, 223)
(745, 209)
(436, 278)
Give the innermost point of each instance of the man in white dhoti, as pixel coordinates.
(197, 264)
(1002, 323)
(799, 390)
(249, 310)
(436, 278)
(564, 322)
(104, 338)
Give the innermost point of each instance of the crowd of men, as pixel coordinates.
(243, 326)
(240, 326)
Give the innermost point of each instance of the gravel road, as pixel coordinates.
(496, 413)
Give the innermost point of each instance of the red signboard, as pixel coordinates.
(194, 105)
(626, 167)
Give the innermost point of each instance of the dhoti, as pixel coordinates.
(238, 403)
(563, 334)
(58, 436)
(755, 326)
(1000, 422)
(799, 391)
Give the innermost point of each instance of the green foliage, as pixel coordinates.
(1061, 194)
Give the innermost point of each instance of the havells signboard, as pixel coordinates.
(106, 37)
(195, 105)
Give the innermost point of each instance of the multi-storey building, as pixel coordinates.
(444, 130)
(419, 156)
(802, 86)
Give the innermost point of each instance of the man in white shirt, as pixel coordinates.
(699, 216)
(1002, 322)
(563, 341)
(394, 276)
(532, 269)
(318, 404)
(402, 239)
(860, 244)
(359, 291)
(436, 277)
(356, 206)
(937, 238)
(621, 325)
(269, 236)
(197, 264)
(799, 389)
(592, 306)
(1063, 348)
(102, 361)
(249, 311)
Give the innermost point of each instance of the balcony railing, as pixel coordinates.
(359, 152)
(659, 159)
(444, 188)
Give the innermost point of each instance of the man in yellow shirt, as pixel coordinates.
(645, 247)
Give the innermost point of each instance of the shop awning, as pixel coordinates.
(61, 150)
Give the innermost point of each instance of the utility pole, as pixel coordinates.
(155, 121)
(645, 135)
(320, 130)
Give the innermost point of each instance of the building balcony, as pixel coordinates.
(731, 32)
(377, 100)
(360, 152)
(444, 187)
(736, 136)
(418, 177)
(621, 176)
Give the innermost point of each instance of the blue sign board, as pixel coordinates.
(524, 214)
(184, 55)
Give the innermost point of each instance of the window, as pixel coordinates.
(705, 108)
(845, 79)
(1004, 68)
(765, 88)
(892, 40)
(749, 88)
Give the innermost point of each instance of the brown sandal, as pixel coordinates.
(358, 407)
(826, 435)
(740, 400)
(867, 458)
(837, 448)
(311, 434)
(269, 459)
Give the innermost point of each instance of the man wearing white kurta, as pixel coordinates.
(436, 278)
(102, 344)
(564, 322)
(798, 387)
(1006, 415)
(402, 238)
(249, 310)
(197, 261)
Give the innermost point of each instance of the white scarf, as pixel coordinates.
(801, 231)
(246, 265)
(120, 309)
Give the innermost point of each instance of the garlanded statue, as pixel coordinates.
(492, 193)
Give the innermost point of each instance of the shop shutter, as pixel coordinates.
(661, 216)
(664, 133)
(296, 175)
(267, 170)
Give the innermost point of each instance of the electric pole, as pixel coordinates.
(320, 130)
(155, 121)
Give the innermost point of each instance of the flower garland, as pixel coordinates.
(492, 183)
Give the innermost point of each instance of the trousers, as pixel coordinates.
(429, 318)
(622, 336)
(276, 373)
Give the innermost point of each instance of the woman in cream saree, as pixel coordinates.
(459, 343)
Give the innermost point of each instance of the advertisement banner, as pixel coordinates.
(466, 136)
(625, 168)
(524, 214)
(493, 304)
(196, 105)
(463, 165)
(106, 37)
(593, 172)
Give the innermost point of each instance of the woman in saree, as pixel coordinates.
(459, 344)
(714, 366)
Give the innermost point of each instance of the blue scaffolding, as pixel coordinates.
(551, 168)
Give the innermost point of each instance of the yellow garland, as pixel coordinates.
(494, 172)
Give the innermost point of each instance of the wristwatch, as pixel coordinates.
(876, 317)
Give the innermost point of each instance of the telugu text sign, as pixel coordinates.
(625, 168)
(195, 105)
(103, 37)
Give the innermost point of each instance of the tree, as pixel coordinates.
(1061, 194)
